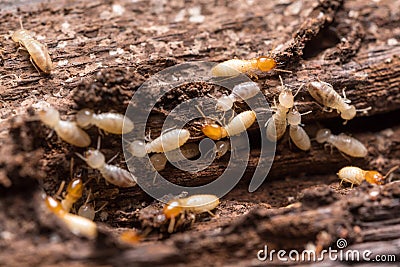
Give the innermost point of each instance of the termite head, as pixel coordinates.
(84, 117)
(172, 209)
(53, 205)
(94, 158)
(348, 113)
(294, 117)
(87, 211)
(374, 177)
(137, 149)
(75, 188)
(19, 34)
(286, 98)
(158, 161)
(49, 116)
(323, 135)
(213, 131)
(224, 103)
(265, 63)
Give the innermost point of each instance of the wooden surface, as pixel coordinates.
(103, 56)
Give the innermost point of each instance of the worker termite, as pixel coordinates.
(110, 122)
(113, 174)
(276, 125)
(234, 67)
(196, 204)
(165, 142)
(240, 92)
(355, 175)
(66, 130)
(297, 134)
(237, 125)
(324, 94)
(39, 55)
(343, 143)
(76, 224)
(87, 209)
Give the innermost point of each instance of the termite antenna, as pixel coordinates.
(391, 171)
(298, 90)
(20, 23)
(80, 156)
(98, 142)
(305, 113)
(281, 70)
(364, 110)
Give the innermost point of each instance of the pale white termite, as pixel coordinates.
(76, 224)
(87, 209)
(66, 130)
(159, 160)
(113, 174)
(237, 125)
(276, 125)
(221, 148)
(165, 142)
(343, 143)
(297, 134)
(355, 175)
(114, 123)
(240, 92)
(39, 55)
(196, 204)
(324, 94)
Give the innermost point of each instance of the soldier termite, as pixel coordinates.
(113, 174)
(165, 142)
(237, 125)
(297, 134)
(66, 130)
(276, 125)
(343, 143)
(355, 175)
(74, 193)
(240, 92)
(76, 224)
(234, 67)
(324, 94)
(39, 55)
(110, 122)
(196, 204)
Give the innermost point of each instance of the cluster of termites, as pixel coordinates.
(172, 145)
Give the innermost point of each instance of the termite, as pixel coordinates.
(66, 130)
(110, 122)
(74, 193)
(76, 224)
(87, 210)
(196, 204)
(240, 92)
(188, 151)
(165, 142)
(221, 148)
(276, 125)
(297, 134)
(355, 175)
(237, 125)
(113, 174)
(234, 67)
(39, 55)
(324, 94)
(343, 143)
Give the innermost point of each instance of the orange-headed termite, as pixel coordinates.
(234, 67)
(74, 193)
(237, 125)
(165, 142)
(76, 224)
(66, 130)
(343, 143)
(196, 204)
(114, 123)
(38, 52)
(355, 175)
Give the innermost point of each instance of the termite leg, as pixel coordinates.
(33, 63)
